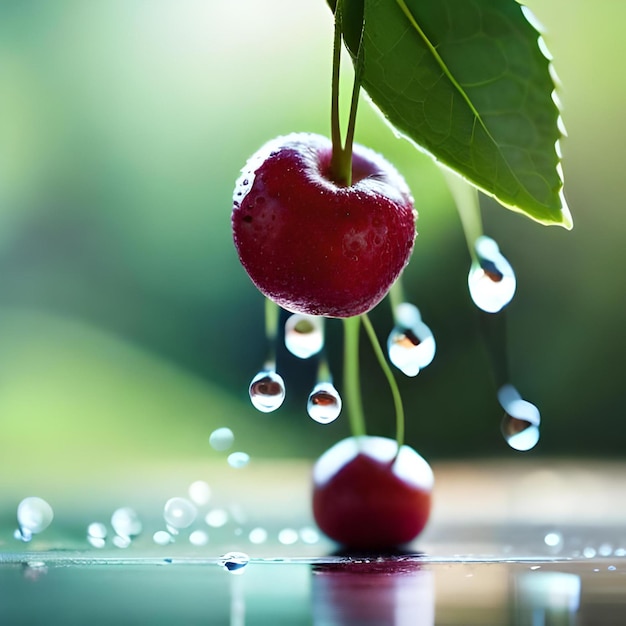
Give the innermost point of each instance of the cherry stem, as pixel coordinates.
(465, 197)
(393, 385)
(351, 383)
(341, 161)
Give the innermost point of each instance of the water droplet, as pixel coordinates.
(589, 552)
(179, 512)
(216, 518)
(411, 344)
(606, 549)
(324, 404)
(221, 439)
(34, 515)
(96, 534)
(553, 540)
(491, 278)
(519, 434)
(309, 535)
(520, 423)
(267, 391)
(258, 535)
(199, 492)
(121, 542)
(126, 522)
(287, 536)
(162, 538)
(304, 335)
(234, 562)
(238, 459)
(198, 538)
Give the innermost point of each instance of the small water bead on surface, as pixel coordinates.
(216, 518)
(199, 492)
(221, 439)
(198, 538)
(257, 535)
(121, 542)
(162, 538)
(520, 423)
(324, 403)
(309, 535)
(288, 536)
(491, 278)
(553, 540)
(234, 562)
(411, 344)
(179, 512)
(267, 391)
(34, 515)
(304, 335)
(96, 534)
(238, 459)
(589, 552)
(126, 522)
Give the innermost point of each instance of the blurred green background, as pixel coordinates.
(128, 330)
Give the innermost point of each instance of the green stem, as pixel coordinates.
(335, 126)
(352, 387)
(465, 197)
(341, 161)
(393, 385)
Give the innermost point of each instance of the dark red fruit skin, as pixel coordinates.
(365, 506)
(311, 245)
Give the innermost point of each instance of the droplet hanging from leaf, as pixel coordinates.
(469, 83)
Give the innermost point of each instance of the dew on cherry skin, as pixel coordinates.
(304, 335)
(234, 562)
(521, 420)
(411, 344)
(267, 391)
(324, 404)
(491, 278)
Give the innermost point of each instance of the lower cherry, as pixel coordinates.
(367, 495)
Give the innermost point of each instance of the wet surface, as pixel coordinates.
(405, 591)
(530, 544)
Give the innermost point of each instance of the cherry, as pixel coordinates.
(367, 495)
(313, 244)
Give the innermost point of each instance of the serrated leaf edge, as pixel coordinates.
(566, 217)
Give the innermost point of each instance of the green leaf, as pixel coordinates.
(468, 82)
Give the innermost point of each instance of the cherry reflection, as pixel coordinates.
(396, 591)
